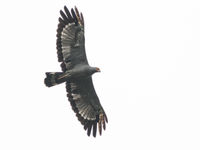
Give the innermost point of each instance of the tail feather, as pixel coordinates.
(52, 78)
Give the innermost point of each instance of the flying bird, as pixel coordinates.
(76, 72)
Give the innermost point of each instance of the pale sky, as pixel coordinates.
(149, 85)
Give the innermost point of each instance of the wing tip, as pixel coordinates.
(91, 125)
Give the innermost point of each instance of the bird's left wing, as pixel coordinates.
(86, 105)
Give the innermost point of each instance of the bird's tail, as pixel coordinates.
(53, 78)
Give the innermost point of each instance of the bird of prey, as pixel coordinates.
(76, 72)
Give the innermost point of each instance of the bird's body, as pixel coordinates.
(82, 71)
(76, 72)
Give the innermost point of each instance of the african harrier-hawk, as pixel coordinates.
(76, 72)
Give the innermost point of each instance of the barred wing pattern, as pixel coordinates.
(70, 39)
(71, 52)
(86, 105)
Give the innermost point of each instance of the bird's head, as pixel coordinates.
(97, 69)
(94, 70)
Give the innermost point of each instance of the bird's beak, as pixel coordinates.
(98, 70)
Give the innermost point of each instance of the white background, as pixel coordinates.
(149, 55)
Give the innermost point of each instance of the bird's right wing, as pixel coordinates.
(70, 39)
